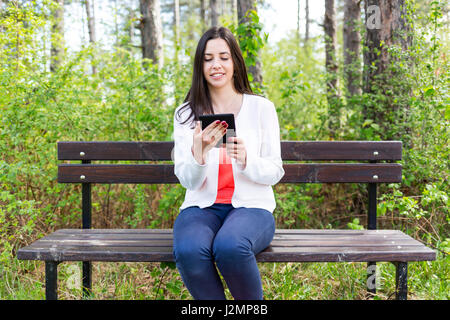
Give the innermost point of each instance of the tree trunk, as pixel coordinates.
(223, 7)
(1, 12)
(57, 36)
(116, 23)
(131, 27)
(90, 20)
(352, 39)
(306, 22)
(176, 15)
(385, 22)
(331, 66)
(330, 46)
(202, 14)
(151, 32)
(214, 14)
(233, 12)
(91, 26)
(243, 6)
(386, 25)
(298, 22)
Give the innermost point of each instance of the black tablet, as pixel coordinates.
(207, 119)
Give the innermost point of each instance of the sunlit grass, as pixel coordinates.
(281, 281)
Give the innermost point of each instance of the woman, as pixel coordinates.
(226, 217)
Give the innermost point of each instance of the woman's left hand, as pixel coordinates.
(236, 150)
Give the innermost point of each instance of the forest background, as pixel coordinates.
(357, 78)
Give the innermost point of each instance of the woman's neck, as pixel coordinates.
(225, 99)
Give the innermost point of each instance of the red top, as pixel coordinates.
(225, 185)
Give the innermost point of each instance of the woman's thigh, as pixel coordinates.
(246, 228)
(194, 231)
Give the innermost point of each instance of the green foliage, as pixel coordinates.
(293, 81)
(124, 101)
(248, 35)
(355, 225)
(427, 213)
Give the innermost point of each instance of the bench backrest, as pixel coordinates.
(370, 151)
(365, 166)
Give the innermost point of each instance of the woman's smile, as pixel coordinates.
(217, 76)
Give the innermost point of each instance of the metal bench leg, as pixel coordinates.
(87, 221)
(51, 280)
(87, 279)
(401, 280)
(372, 225)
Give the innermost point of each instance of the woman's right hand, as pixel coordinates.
(205, 140)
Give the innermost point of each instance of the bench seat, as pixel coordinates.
(155, 245)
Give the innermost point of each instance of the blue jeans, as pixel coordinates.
(228, 237)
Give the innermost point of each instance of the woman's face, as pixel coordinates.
(218, 66)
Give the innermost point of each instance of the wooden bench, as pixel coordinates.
(155, 245)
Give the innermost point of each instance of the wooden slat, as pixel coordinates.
(121, 173)
(332, 232)
(341, 172)
(282, 234)
(290, 150)
(115, 150)
(294, 173)
(46, 243)
(300, 245)
(150, 237)
(341, 150)
(343, 255)
(271, 254)
(113, 231)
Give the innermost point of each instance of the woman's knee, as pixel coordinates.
(192, 250)
(231, 248)
(192, 235)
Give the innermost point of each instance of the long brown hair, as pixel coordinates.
(198, 97)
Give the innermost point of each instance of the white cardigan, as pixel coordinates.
(257, 124)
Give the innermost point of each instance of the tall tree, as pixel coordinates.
(91, 26)
(214, 13)
(57, 36)
(176, 23)
(298, 21)
(1, 5)
(243, 7)
(306, 22)
(331, 65)
(151, 31)
(233, 11)
(386, 26)
(223, 7)
(90, 20)
(116, 23)
(130, 24)
(352, 50)
(203, 14)
(1, 12)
